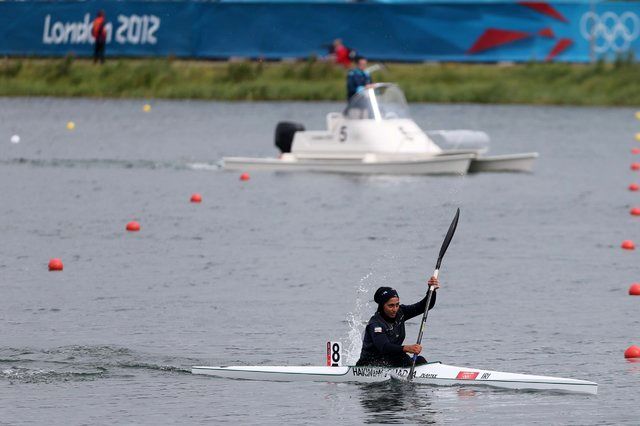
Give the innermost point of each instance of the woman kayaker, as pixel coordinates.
(383, 336)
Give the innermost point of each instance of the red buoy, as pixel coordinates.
(245, 176)
(634, 187)
(196, 198)
(635, 150)
(635, 166)
(632, 351)
(634, 290)
(635, 211)
(55, 265)
(133, 226)
(628, 245)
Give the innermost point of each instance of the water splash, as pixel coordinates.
(356, 322)
(364, 308)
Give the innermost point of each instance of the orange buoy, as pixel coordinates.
(634, 290)
(635, 150)
(634, 187)
(635, 211)
(628, 245)
(245, 176)
(56, 265)
(133, 226)
(196, 198)
(632, 351)
(635, 166)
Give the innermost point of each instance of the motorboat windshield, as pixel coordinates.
(383, 101)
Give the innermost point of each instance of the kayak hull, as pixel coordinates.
(435, 374)
(299, 374)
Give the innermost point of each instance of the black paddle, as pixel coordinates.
(443, 250)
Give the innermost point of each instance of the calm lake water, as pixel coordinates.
(264, 272)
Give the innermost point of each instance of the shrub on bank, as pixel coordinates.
(533, 83)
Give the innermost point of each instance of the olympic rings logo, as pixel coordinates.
(610, 31)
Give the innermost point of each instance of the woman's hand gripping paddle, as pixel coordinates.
(443, 250)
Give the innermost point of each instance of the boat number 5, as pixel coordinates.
(343, 133)
(334, 354)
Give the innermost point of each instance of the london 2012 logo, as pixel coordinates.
(609, 31)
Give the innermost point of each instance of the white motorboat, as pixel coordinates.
(375, 134)
(434, 373)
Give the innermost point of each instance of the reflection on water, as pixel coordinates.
(634, 366)
(466, 393)
(397, 402)
(400, 402)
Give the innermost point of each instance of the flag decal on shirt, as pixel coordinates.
(377, 330)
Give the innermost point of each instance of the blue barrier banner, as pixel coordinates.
(401, 31)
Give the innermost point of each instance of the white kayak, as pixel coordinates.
(434, 373)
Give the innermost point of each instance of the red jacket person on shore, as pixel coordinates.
(99, 33)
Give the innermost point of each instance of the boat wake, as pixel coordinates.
(204, 166)
(82, 363)
(28, 375)
(91, 163)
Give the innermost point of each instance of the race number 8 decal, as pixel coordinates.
(334, 354)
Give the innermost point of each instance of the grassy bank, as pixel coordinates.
(562, 84)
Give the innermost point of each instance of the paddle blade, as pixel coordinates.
(448, 237)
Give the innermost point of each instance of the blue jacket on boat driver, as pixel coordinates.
(385, 332)
(358, 79)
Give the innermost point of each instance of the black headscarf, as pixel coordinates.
(382, 296)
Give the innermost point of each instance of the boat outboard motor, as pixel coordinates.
(284, 135)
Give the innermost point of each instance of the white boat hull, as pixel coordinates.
(504, 163)
(435, 373)
(434, 165)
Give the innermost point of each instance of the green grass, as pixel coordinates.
(534, 83)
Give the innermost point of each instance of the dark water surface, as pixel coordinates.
(266, 271)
